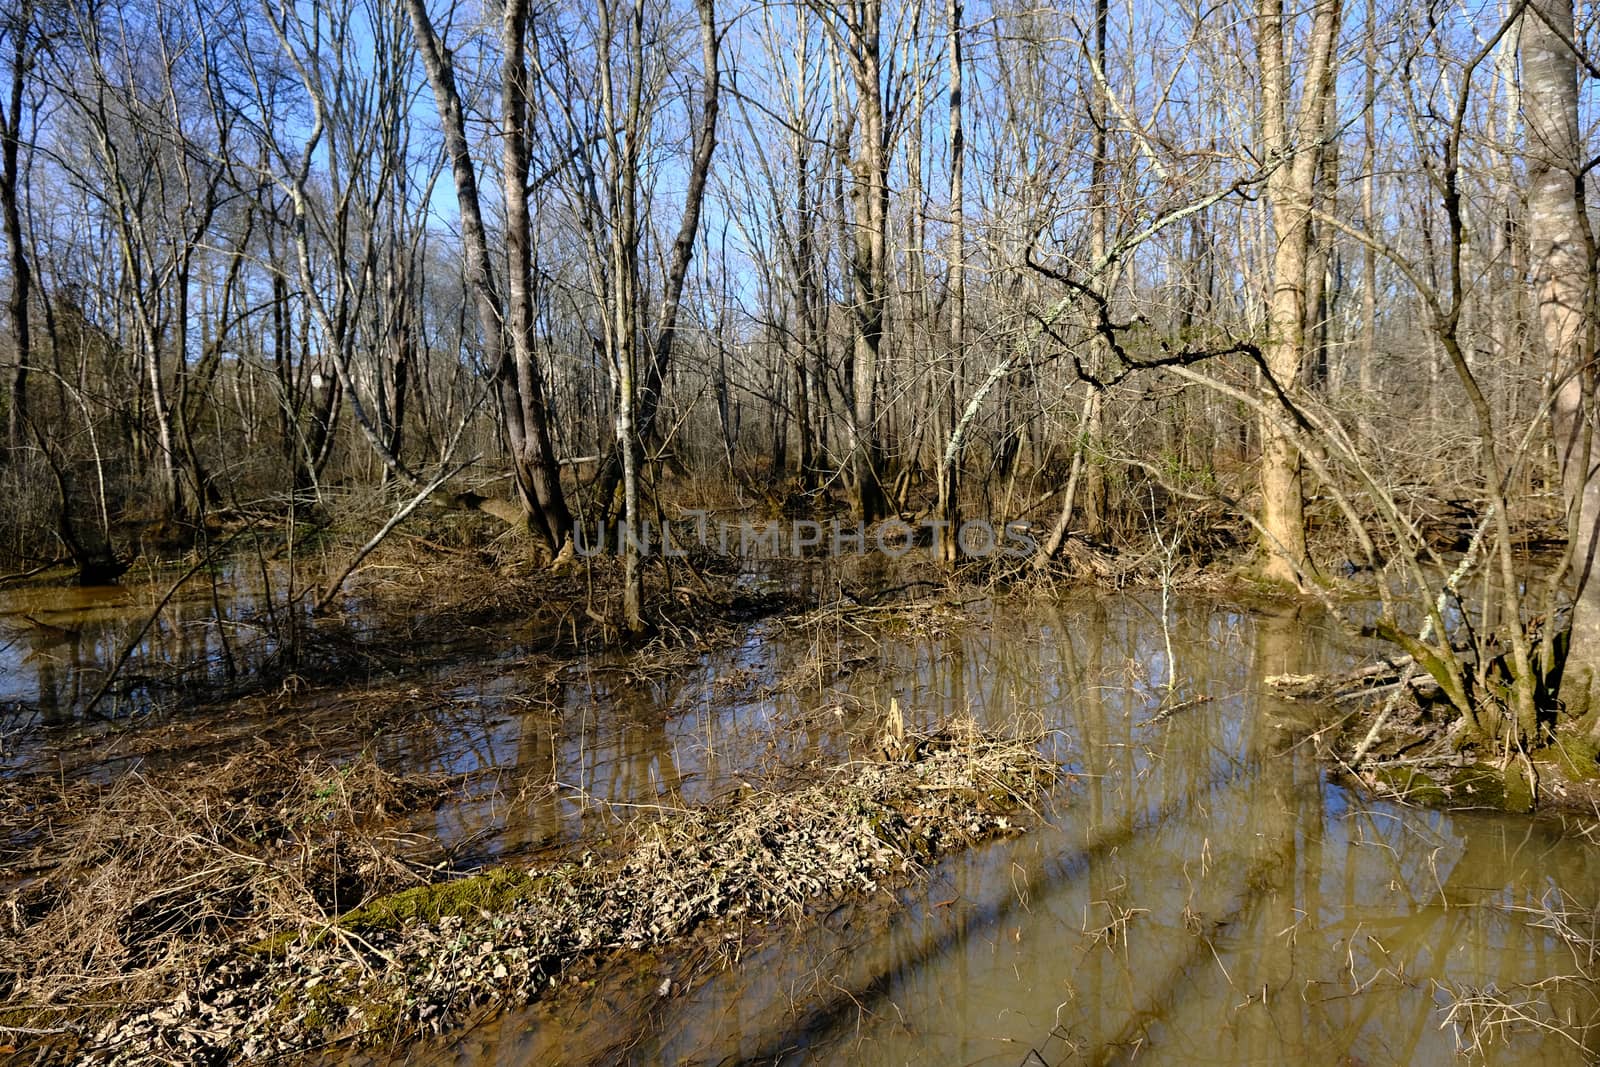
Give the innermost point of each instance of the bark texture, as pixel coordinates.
(1294, 151)
(1563, 290)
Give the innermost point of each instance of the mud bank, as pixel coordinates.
(415, 962)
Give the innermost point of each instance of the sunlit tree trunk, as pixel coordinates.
(949, 470)
(1092, 431)
(869, 250)
(659, 348)
(522, 405)
(1366, 372)
(1559, 247)
(1294, 153)
(622, 114)
(527, 421)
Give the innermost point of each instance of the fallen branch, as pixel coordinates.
(377, 539)
(22, 576)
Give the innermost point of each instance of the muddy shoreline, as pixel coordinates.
(376, 828)
(1384, 733)
(157, 850)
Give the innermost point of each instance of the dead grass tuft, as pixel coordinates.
(128, 885)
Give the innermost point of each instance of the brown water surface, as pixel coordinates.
(1196, 891)
(1199, 891)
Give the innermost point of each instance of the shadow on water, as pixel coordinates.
(1199, 892)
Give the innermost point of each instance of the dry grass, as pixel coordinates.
(126, 886)
(1565, 1006)
(414, 962)
(1484, 1017)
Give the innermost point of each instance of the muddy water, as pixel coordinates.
(55, 640)
(1199, 891)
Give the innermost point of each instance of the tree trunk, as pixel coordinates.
(1369, 254)
(533, 455)
(10, 207)
(523, 410)
(648, 400)
(1088, 455)
(1291, 184)
(869, 255)
(949, 469)
(1563, 290)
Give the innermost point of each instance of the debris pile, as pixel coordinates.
(411, 963)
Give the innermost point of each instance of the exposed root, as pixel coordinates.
(1390, 726)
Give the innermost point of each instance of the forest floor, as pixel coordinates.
(419, 960)
(245, 879)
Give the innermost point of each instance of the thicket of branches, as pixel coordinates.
(1311, 264)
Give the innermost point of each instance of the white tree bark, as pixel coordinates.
(1558, 247)
(1290, 188)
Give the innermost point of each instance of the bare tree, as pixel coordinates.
(857, 32)
(506, 324)
(1561, 252)
(948, 469)
(1293, 149)
(162, 177)
(20, 29)
(663, 331)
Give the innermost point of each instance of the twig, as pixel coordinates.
(32, 1031)
(377, 539)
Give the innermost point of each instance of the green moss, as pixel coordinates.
(892, 829)
(1260, 588)
(1578, 690)
(319, 1008)
(1574, 757)
(492, 891)
(324, 1009)
(274, 945)
(1479, 785)
(1413, 786)
(1519, 792)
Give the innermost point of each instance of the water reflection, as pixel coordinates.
(1200, 893)
(58, 642)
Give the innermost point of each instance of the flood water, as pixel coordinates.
(56, 642)
(1197, 890)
